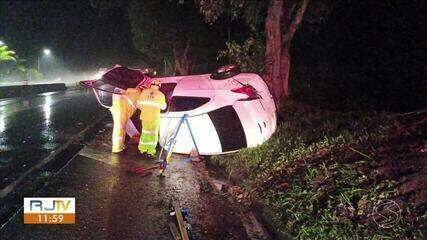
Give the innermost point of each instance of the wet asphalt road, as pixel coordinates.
(33, 127)
(112, 203)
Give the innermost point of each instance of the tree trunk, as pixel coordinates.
(281, 24)
(183, 61)
(285, 67)
(293, 15)
(273, 47)
(182, 67)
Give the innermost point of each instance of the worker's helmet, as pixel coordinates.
(156, 82)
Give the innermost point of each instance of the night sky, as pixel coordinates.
(80, 37)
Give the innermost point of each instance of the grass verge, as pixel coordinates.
(335, 175)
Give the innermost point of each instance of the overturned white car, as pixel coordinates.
(226, 110)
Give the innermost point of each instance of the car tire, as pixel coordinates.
(225, 72)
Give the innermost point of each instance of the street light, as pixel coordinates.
(1, 42)
(46, 52)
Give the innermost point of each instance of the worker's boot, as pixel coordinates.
(118, 145)
(151, 153)
(145, 156)
(118, 150)
(151, 157)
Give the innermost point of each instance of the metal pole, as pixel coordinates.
(38, 63)
(191, 133)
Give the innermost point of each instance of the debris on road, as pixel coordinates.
(237, 192)
(178, 223)
(142, 171)
(219, 185)
(205, 186)
(195, 157)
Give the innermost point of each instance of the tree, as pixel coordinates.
(9, 62)
(280, 24)
(169, 34)
(6, 54)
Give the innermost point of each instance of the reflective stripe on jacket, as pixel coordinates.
(150, 102)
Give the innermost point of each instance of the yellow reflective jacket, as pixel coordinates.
(124, 104)
(151, 101)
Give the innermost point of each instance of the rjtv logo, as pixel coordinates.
(49, 210)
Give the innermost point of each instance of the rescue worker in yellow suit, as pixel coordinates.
(150, 101)
(122, 110)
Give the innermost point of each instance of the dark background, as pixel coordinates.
(78, 36)
(366, 54)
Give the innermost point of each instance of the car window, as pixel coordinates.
(167, 90)
(184, 103)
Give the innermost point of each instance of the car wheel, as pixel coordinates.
(224, 72)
